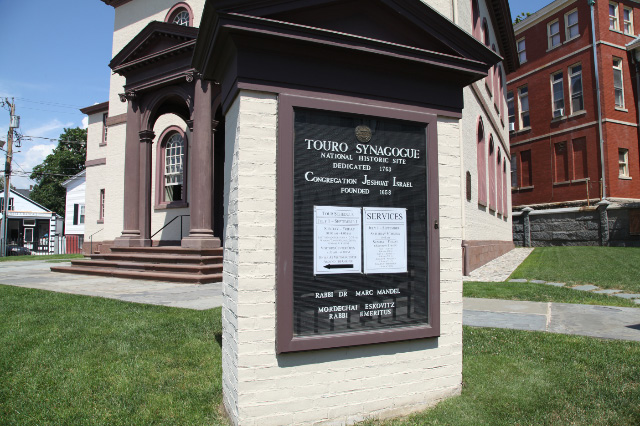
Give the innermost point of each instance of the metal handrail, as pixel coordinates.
(91, 240)
(170, 222)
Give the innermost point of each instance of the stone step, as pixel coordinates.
(176, 250)
(144, 266)
(159, 258)
(141, 275)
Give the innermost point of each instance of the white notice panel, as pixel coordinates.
(385, 240)
(337, 240)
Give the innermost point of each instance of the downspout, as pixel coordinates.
(634, 54)
(595, 66)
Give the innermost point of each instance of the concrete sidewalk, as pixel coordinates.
(607, 322)
(37, 274)
(596, 321)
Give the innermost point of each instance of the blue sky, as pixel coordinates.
(531, 6)
(54, 61)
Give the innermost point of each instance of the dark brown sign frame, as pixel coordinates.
(285, 339)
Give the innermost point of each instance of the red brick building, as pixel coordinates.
(560, 140)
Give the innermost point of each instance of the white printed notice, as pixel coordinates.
(385, 240)
(337, 240)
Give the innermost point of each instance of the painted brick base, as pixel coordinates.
(477, 253)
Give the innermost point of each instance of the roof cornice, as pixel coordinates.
(115, 3)
(541, 15)
(185, 40)
(101, 107)
(506, 34)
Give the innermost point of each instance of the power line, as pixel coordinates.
(27, 174)
(51, 110)
(50, 103)
(21, 137)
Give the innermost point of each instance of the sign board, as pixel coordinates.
(385, 240)
(360, 235)
(337, 236)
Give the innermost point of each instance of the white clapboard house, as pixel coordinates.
(31, 227)
(74, 212)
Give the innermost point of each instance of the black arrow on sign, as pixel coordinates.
(344, 266)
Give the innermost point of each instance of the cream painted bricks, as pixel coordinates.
(331, 386)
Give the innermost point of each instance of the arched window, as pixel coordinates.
(498, 167)
(494, 83)
(492, 174)
(505, 201)
(171, 169)
(475, 23)
(180, 14)
(481, 164)
(485, 32)
(500, 93)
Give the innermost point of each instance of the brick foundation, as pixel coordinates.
(477, 253)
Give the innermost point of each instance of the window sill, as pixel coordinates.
(102, 144)
(615, 30)
(621, 109)
(561, 118)
(174, 205)
(100, 221)
(523, 130)
(480, 203)
(554, 47)
(625, 177)
(571, 39)
(583, 180)
(566, 182)
(578, 113)
(622, 32)
(521, 188)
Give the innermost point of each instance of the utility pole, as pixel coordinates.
(14, 122)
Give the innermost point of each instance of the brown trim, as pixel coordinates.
(286, 342)
(234, 49)
(338, 98)
(479, 252)
(181, 36)
(116, 119)
(159, 202)
(174, 11)
(102, 107)
(115, 3)
(96, 162)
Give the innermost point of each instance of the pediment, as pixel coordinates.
(410, 23)
(155, 42)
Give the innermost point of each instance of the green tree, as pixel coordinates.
(66, 160)
(521, 17)
(2, 183)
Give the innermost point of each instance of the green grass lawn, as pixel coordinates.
(43, 257)
(606, 267)
(531, 378)
(540, 293)
(76, 360)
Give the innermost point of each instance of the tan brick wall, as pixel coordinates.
(331, 386)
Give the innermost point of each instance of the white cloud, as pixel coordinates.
(25, 159)
(85, 123)
(47, 129)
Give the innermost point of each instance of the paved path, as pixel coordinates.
(36, 274)
(586, 320)
(608, 322)
(499, 269)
